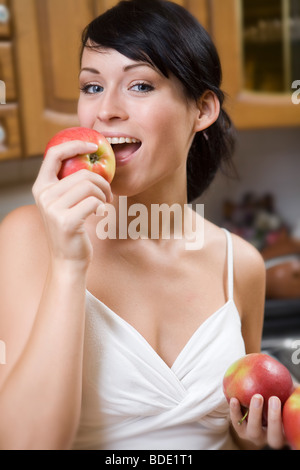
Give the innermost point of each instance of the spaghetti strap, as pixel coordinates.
(229, 264)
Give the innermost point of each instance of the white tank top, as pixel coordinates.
(132, 400)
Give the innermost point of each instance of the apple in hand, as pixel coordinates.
(257, 373)
(102, 161)
(291, 419)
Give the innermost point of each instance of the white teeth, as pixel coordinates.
(121, 140)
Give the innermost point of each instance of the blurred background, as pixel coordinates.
(259, 46)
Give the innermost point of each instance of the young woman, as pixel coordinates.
(122, 343)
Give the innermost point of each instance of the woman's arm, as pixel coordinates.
(44, 257)
(41, 382)
(250, 297)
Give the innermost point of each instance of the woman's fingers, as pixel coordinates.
(79, 192)
(255, 432)
(47, 178)
(75, 187)
(236, 416)
(55, 155)
(276, 438)
(75, 217)
(71, 190)
(251, 429)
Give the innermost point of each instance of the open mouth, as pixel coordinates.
(123, 147)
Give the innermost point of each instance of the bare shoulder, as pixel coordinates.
(247, 259)
(22, 218)
(23, 245)
(249, 269)
(22, 229)
(248, 262)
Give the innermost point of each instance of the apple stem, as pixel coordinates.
(243, 418)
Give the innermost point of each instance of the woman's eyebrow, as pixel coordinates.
(142, 64)
(89, 69)
(138, 64)
(125, 69)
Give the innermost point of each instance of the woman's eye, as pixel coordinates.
(142, 87)
(91, 89)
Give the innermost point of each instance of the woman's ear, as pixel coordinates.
(208, 111)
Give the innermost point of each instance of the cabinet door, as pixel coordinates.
(47, 37)
(10, 144)
(249, 109)
(5, 23)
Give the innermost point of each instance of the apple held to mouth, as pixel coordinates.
(101, 162)
(291, 419)
(257, 373)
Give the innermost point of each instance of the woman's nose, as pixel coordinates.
(111, 106)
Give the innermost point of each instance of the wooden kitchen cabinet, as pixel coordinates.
(47, 40)
(10, 141)
(39, 52)
(250, 108)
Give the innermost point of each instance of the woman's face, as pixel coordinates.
(148, 114)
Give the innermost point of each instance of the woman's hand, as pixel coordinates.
(252, 429)
(65, 204)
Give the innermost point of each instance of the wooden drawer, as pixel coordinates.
(7, 70)
(5, 19)
(10, 146)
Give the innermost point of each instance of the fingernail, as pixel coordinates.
(274, 403)
(92, 146)
(234, 403)
(257, 401)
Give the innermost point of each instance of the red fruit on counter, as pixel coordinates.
(102, 161)
(257, 373)
(291, 419)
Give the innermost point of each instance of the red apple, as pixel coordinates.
(102, 161)
(291, 419)
(257, 373)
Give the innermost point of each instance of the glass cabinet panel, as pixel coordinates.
(271, 44)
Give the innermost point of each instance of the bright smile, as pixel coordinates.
(124, 148)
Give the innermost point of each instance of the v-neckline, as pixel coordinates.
(148, 345)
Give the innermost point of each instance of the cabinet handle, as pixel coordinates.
(4, 14)
(2, 135)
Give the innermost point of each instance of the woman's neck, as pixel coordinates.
(156, 211)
